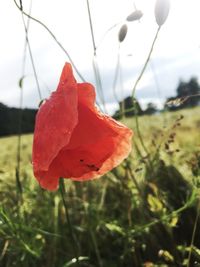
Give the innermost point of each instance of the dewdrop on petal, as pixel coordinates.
(162, 11)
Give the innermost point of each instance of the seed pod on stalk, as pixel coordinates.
(162, 8)
(135, 15)
(122, 33)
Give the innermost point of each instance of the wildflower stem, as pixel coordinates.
(18, 159)
(95, 63)
(73, 238)
(193, 234)
(30, 51)
(91, 27)
(94, 241)
(139, 133)
(135, 181)
(146, 63)
(135, 86)
(55, 39)
(116, 75)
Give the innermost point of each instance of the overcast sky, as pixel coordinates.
(176, 55)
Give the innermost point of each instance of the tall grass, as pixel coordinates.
(136, 215)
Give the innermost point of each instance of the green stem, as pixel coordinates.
(18, 167)
(135, 182)
(94, 241)
(146, 63)
(30, 52)
(134, 89)
(193, 234)
(55, 39)
(139, 133)
(72, 235)
(95, 63)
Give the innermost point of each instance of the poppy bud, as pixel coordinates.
(135, 15)
(122, 33)
(161, 11)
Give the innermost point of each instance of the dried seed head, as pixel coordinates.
(162, 11)
(135, 15)
(178, 101)
(122, 33)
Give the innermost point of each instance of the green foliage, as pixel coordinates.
(143, 213)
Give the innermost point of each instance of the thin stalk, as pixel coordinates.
(139, 133)
(92, 233)
(135, 182)
(31, 57)
(146, 63)
(193, 234)
(18, 159)
(118, 71)
(72, 235)
(103, 37)
(94, 241)
(156, 81)
(121, 88)
(91, 27)
(55, 39)
(98, 80)
(95, 63)
(134, 89)
(158, 91)
(116, 75)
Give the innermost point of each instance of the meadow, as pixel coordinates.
(143, 213)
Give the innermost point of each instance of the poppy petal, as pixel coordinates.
(86, 95)
(55, 121)
(73, 139)
(120, 146)
(98, 144)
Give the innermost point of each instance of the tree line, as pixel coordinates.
(187, 96)
(14, 120)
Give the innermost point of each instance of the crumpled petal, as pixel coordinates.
(55, 121)
(96, 144)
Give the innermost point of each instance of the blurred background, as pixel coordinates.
(176, 56)
(143, 213)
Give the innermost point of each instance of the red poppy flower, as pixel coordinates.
(72, 138)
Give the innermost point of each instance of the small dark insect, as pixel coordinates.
(93, 167)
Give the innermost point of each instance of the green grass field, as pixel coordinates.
(143, 213)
